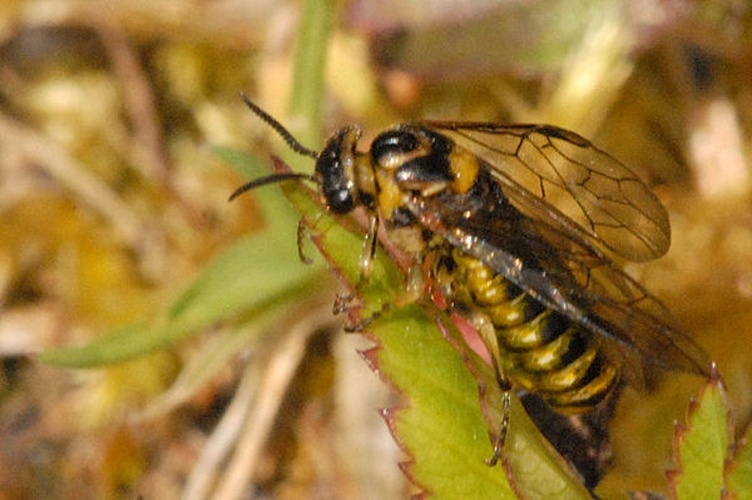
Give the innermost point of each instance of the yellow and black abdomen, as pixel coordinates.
(537, 349)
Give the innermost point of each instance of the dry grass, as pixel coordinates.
(110, 203)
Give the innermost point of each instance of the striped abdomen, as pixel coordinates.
(537, 349)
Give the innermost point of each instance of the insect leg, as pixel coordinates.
(414, 285)
(506, 403)
(368, 253)
(302, 237)
(343, 301)
(487, 332)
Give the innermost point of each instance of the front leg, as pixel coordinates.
(344, 302)
(413, 291)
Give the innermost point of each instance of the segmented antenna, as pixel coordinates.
(292, 143)
(285, 134)
(270, 179)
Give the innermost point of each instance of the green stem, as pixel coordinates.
(310, 66)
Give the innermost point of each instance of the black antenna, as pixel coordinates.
(270, 179)
(280, 129)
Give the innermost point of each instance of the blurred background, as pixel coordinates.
(223, 372)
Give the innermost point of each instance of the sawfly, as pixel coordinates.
(516, 226)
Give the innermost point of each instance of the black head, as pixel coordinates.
(335, 170)
(335, 166)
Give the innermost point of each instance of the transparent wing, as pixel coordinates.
(549, 173)
(544, 231)
(635, 328)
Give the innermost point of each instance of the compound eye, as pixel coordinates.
(334, 169)
(390, 148)
(335, 183)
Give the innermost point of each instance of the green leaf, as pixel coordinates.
(258, 277)
(119, 344)
(701, 447)
(536, 469)
(441, 426)
(254, 274)
(739, 474)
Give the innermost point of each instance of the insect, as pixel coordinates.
(517, 226)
